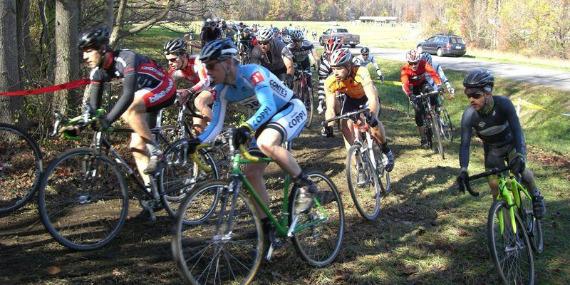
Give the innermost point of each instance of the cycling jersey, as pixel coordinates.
(439, 71)
(273, 59)
(140, 74)
(299, 54)
(359, 60)
(195, 72)
(259, 89)
(501, 127)
(353, 86)
(208, 34)
(415, 78)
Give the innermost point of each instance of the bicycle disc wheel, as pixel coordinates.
(533, 225)
(363, 183)
(83, 200)
(307, 96)
(511, 252)
(213, 252)
(437, 134)
(20, 168)
(181, 174)
(319, 232)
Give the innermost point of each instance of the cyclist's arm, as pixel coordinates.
(288, 60)
(93, 91)
(515, 126)
(218, 115)
(433, 73)
(369, 90)
(126, 99)
(466, 130)
(441, 74)
(405, 79)
(202, 74)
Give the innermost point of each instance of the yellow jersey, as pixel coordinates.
(353, 86)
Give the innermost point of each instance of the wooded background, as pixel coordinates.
(38, 38)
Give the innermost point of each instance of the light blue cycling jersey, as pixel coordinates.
(255, 88)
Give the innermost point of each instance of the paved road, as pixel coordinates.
(556, 79)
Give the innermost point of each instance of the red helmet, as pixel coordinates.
(332, 45)
(341, 57)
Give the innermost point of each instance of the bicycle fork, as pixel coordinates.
(224, 227)
(510, 201)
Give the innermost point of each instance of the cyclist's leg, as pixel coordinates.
(203, 103)
(528, 179)
(495, 158)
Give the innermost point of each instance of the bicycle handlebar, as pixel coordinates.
(424, 95)
(347, 115)
(467, 184)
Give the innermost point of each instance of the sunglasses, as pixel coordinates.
(475, 94)
(263, 43)
(211, 65)
(364, 54)
(174, 59)
(414, 63)
(298, 41)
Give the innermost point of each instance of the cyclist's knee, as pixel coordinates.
(493, 182)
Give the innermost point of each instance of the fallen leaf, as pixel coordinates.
(53, 270)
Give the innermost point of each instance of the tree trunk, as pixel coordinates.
(9, 75)
(110, 16)
(67, 54)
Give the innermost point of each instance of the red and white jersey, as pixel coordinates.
(195, 73)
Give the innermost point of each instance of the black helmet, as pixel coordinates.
(364, 50)
(219, 49)
(175, 46)
(94, 38)
(479, 78)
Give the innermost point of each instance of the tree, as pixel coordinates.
(9, 75)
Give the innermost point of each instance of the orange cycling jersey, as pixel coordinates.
(353, 86)
(408, 76)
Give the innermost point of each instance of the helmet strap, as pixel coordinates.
(108, 58)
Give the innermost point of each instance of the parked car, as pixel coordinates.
(339, 32)
(443, 45)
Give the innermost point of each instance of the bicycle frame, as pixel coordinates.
(507, 186)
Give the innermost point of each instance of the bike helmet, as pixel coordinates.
(286, 39)
(480, 78)
(341, 57)
(412, 56)
(175, 46)
(427, 57)
(364, 50)
(219, 49)
(332, 45)
(296, 35)
(94, 39)
(265, 35)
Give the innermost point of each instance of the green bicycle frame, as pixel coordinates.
(508, 186)
(281, 225)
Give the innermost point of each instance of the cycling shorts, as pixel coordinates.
(351, 105)
(161, 96)
(289, 121)
(498, 156)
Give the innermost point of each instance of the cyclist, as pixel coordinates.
(300, 52)
(188, 68)
(414, 81)
(364, 59)
(496, 123)
(325, 70)
(269, 54)
(146, 89)
(355, 83)
(280, 117)
(427, 57)
(210, 31)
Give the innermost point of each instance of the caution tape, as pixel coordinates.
(528, 105)
(48, 89)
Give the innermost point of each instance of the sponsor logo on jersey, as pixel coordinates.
(256, 78)
(157, 96)
(278, 88)
(259, 118)
(299, 118)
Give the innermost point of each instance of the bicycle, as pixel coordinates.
(302, 88)
(432, 121)
(513, 231)
(365, 160)
(83, 200)
(229, 243)
(21, 166)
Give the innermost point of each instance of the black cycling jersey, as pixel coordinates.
(299, 55)
(137, 72)
(497, 129)
(271, 60)
(208, 34)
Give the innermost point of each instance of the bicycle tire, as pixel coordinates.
(20, 157)
(498, 249)
(365, 194)
(437, 131)
(95, 220)
(447, 129)
(307, 98)
(382, 174)
(327, 235)
(533, 226)
(191, 243)
(180, 175)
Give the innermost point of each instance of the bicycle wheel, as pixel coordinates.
(20, 168)
(319, 232)
(511, 252)
(381, 173)
(533, 225)
(224, 249)
(83, 200)
(181, 174)
(307, 97)
(363, 182)
(446, 125)
(437, 134)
